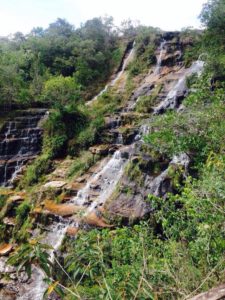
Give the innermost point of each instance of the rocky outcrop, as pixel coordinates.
(5, 249)
(169, 35)
(163, 184)
(119, 185)
(144, 90)
(20, 141)
(61, 209)
(130, 201)
(217, 293)
(179, 90)
(11, 204)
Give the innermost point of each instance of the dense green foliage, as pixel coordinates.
(197, 131)
(57, 64)
(29, 253)
(146, 43)
(212, 16)
(179, 250)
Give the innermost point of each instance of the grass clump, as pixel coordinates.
(82, 163)
(145, 104)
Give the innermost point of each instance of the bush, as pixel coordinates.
(61, 90)
(37, 169)
(22, 212)
(196, 131)
(178, 250)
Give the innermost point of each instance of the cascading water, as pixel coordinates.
(20, 141)
(145, 89)
(172, 100)
(37, 287)
(100, 186)
(126, 61)
(159, 58)
(125, 64)
(106, 179)
(119, 139)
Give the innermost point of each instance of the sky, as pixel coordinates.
(23, 15)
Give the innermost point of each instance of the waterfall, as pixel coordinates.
(37, 287)
(179, 90)
(119, 139)
(107, 178)
(20, 141)
(102, 183)
(125, 63)
(159, 58)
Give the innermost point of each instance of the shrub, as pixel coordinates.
(177, 250)
(61, 90)
(196, 131)
(37, 169)
(82, 163)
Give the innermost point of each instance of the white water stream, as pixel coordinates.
(159, 58)
(156, 71)
(126, 61)
(179, 87)
(102, 182)
(107, 179)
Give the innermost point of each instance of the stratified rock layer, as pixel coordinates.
(20, 141)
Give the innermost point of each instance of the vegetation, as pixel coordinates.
(197, 131)
(145, 47)
(46, 63)
(212, 17)
(82, 163)
(145, 104)
(178, 249)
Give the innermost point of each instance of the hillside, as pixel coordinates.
(112, 159)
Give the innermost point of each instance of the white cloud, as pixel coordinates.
(23, 15)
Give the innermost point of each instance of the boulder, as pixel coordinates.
(63, 210)
(100, 149)
(5, 249)
(94, 220)
(72, 231)
(54, 185)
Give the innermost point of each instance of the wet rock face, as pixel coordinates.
(127, 51)
(144, 90)
(20, 141)
(153, 178)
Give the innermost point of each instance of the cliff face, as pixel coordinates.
(20, 142)
(128, 169)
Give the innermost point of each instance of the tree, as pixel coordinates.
(213, 16)
(61, 91)
(129, 28)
